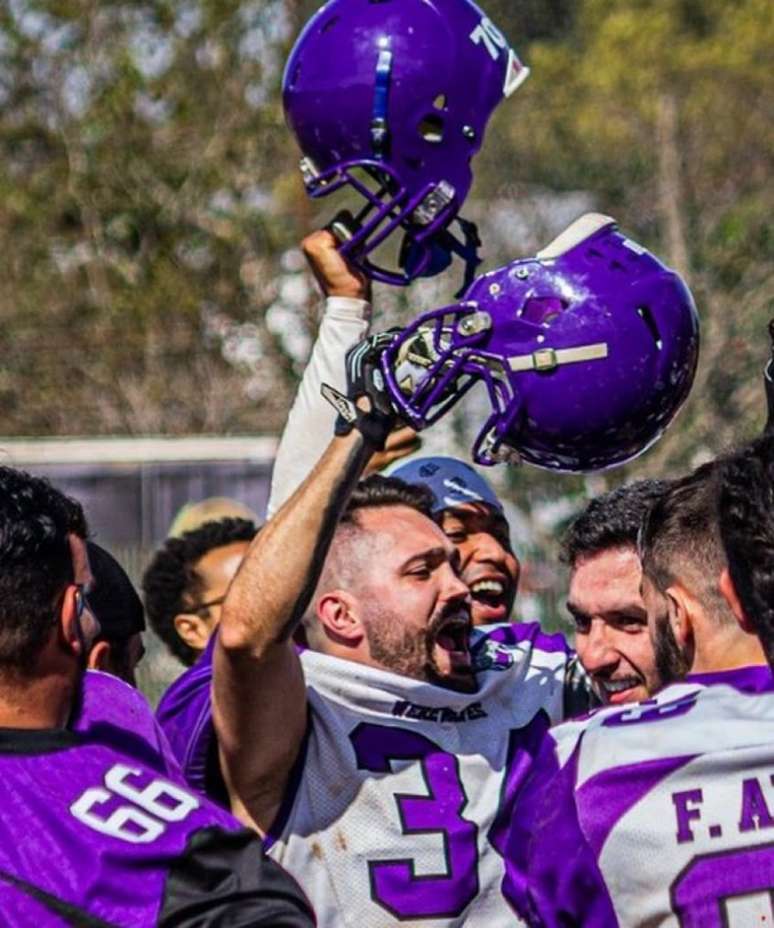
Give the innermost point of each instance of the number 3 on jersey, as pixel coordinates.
(395, 884)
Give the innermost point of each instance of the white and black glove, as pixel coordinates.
(365, 378)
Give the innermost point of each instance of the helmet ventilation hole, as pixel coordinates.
(431, 129)
(647, 317)
(327, 26)
(542, 310)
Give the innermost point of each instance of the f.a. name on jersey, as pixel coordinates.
(661, 813)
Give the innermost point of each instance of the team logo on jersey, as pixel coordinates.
(491, 655)
(410, 710)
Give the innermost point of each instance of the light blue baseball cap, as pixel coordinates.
(452, 482)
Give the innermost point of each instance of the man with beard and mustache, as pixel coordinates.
(675, 789)
(381, 761)
(96, 827)
(473, 519)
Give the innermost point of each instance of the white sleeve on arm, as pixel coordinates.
(310, 422)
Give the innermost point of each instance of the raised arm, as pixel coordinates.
(345, 320)
(259, 697)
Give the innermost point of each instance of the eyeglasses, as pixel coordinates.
(202, 607)
(81, 601)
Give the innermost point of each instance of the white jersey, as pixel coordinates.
(402, 792)
(662, 813)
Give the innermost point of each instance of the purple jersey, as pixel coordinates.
(651, 814)
(104, 700)
(97, 830)
(185, 716)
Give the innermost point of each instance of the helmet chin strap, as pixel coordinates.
(443, 245)
(466, 249)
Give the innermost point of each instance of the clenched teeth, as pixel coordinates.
(618, 686)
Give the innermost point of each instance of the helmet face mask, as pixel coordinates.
(387, 207)
(586, 351)
(399, 92)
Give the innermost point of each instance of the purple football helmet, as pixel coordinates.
(587, 352)
(391, 98)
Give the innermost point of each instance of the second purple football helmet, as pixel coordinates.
(391, 98)
(587, 352)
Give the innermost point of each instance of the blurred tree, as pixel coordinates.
(143, 162)
(150, 205)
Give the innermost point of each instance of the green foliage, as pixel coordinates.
(140, 145)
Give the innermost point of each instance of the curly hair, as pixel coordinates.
(746, 510)
(35, 563)
(612, 520)
(171, 584)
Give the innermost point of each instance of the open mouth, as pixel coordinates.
(453, 636)
(449, 652)
(490, 599)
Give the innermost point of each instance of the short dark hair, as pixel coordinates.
(378, 491)
(746, 511)
(612, 520)
(35, 563)
(349, 550)
(680, 538)
(171, 584)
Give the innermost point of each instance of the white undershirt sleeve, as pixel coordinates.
(309, 427)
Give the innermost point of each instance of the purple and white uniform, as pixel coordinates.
(652, 814)
(398, 801)
(96, 830)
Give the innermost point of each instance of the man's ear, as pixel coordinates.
(68, 622)
(339, 614)
(728, 592)
(99, 657)
(193, 629)
(680, 608)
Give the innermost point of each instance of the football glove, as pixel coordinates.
(364, 379)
